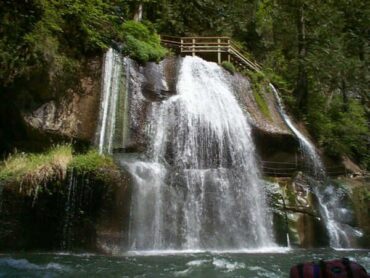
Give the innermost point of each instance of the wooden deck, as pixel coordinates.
(224, 48)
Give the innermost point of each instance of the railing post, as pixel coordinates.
(228, 51)
(218, 51)
(182, 45)
(193, 52)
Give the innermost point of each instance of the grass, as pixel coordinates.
(34, 169)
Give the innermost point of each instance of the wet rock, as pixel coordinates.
(90, 214)
(295, 212)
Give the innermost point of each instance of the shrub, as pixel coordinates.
(228, 66)
(141, 42)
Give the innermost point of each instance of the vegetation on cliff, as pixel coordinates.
(31, 171)
(141, 42)
(228, 66)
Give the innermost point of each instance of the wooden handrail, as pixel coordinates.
(217, 45)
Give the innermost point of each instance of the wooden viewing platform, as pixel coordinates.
(224, 47)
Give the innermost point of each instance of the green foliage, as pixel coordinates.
(339, 130)
(55, 34)
(205, 17)
(91, 162)
(228, 66)
(141, 42)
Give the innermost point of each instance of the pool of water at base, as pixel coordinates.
(169, 264)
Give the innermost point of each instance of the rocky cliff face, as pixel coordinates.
(297, 214)
(156, 82)
(74, 114)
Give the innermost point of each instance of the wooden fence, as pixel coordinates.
(217, 45)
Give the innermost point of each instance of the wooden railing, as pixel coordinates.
(288, 169)
(218, 45)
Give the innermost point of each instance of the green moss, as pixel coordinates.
(262, 105)
(141, 42)
(228, 66)
(91, 162)
(260, 85)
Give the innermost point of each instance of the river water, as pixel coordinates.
(168, 265)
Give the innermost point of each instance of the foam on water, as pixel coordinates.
(23, 264)
(272, 250)
(226, 265)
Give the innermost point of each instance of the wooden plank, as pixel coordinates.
(201, 51)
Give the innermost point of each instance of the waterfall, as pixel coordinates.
(112, 71)
(328, 198)
(199, 187)
(70, 207)
(308, 148)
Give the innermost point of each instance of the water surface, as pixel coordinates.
(166, 264)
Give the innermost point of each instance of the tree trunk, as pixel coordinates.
(343, 89)
(139, 12)
(301, 90)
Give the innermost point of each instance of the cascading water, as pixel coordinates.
(69, 210)
(199, 188)
(112, 71)
(331, 208)
(307, 147)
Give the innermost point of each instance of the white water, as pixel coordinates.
(199, 188)
(328, 199)
(331, 207)
(112, 71)
(69, 210)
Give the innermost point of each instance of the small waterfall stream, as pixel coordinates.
(112, 72)
(199, 188)
(69, 210)
(328, 198)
